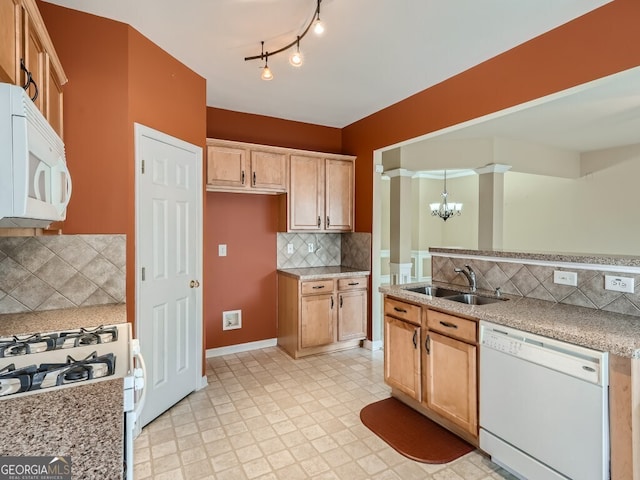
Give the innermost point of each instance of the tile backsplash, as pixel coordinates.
(330, 249)
(61, 271)
(536, 281)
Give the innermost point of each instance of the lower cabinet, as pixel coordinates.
(402, 356)
(319, 316)
(430, 361)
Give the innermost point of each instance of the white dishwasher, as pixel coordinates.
(544, 410)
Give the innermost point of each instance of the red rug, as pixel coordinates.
(412, 434)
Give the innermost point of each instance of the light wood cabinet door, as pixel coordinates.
(352, 314)
(35, 62)
(306, 193)
(269, 171)
(451, 380)
(10, 41)
(339, 183)
(402, 357)
(317, 320)
(54, 99)
(226, 166)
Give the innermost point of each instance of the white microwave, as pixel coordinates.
(35, 185)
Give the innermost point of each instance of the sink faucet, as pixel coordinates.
(471, 276)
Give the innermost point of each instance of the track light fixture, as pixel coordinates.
(266, 71)
(296, 58)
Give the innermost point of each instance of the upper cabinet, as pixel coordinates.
(242, 167)
(319, 186)
(321, 193)
(28, 58)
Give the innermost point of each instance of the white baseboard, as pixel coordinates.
(242, 347)
(372, 345)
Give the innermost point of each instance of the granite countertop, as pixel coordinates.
(587, 258)
(317, 273)
(605, 331)
(63, 319)
(84, 422)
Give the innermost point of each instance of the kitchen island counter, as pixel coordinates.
(615, 333)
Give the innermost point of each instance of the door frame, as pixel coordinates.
(140, 131)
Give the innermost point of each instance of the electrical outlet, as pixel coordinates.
(619, 284)
(565, 278)
(289, 247)
(222, 250)
(310, 247)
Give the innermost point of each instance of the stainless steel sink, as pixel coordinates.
(473, 299)
(434, 291)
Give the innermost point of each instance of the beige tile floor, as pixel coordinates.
(267, 416)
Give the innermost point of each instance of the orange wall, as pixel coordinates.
(597, 44)
(246, 127)
(116, 77)
(246, 278)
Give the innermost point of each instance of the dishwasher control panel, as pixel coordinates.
(580, 362)
(502, 343)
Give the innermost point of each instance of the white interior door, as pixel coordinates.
(169, 267)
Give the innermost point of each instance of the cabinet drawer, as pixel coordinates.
(452, 326)
(352, 283)
(316, 287)
(405, 311)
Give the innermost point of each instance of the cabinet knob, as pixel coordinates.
(254, 179)
(415, 339)
(328, 222)
(331, 302)
(242, 177)
(427, 345)
(340, 301)
(319, 221)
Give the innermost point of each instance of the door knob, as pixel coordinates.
(194, 284)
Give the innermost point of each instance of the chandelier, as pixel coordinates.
(445, 209)
(296, 58)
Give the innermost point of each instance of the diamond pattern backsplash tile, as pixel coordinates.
(356, 250)
(536, 281)
(61, 271)
(330, 249)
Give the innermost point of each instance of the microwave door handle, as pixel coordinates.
(68, 187)
(40, 170)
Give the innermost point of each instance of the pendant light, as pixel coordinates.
(445, 209)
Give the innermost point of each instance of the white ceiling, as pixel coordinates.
(374, 52)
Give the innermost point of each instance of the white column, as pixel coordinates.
(491, 206)
(400, 225)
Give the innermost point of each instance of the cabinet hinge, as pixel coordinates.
(142, 166)
(143, 273)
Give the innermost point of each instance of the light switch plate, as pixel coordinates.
(310, 247)
(222, 250)
(619, 284)
(565, 278)
(289, 247)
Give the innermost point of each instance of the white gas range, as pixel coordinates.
(47, 361)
